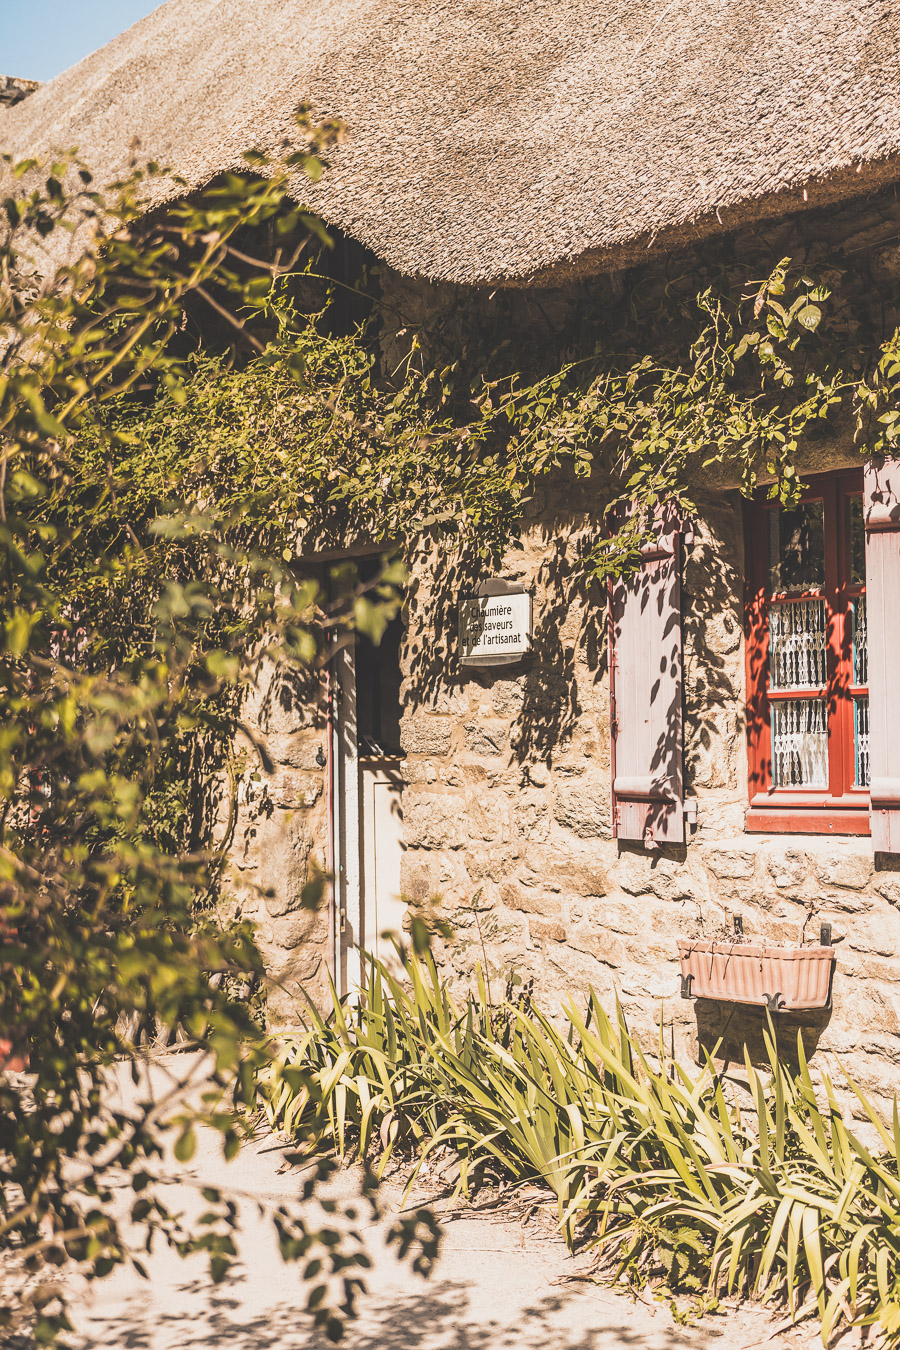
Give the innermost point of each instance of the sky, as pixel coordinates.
(40, 38)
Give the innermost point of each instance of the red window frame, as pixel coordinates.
(841, 808)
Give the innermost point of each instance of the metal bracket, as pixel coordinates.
(738, 926)
(825, 935)
(686, 981)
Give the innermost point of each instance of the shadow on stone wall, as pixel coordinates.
(290, 700)
(280, 835)
(726, 1031)
(551, 704)
(676, 853)
(570, 640)
(712, 631)
(569, 637)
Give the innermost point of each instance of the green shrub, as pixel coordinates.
(653, 1165)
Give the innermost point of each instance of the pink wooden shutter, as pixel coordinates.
(882, 515)
(646, 669)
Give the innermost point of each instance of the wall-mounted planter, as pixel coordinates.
(781, 978)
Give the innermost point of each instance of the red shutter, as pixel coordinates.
(646, 685)
(882, 513)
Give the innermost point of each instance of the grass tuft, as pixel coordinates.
(652, 1164)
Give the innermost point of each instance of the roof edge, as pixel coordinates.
(842, 186)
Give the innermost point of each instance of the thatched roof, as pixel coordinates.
(491, 141)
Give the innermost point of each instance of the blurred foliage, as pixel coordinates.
(136, 610)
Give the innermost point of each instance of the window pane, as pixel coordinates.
(797, 645)
(796, 548)
(861, 737)
(860, 649)
(799, 743)
(857, 535)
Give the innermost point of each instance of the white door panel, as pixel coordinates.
(381, 787)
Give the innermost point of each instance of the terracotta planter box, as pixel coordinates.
(781, 977)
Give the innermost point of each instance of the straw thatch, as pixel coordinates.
(493, 141)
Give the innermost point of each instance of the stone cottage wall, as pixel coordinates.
(279, 842)
(507, 806)
(508, 833)
(507, 824)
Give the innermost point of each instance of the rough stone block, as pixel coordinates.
(631, 873)
(604, 947)
(531, 818)
(284, 700)
(277, 850)
(874, 1014)
(486, 813)
(787, 867)
(530, 901)
(447, 699)
(295, 791)
(426, 734)
(587, 878)
(538, 775)
(539, 872)
(624, 915)
(480, 865)
(710, 748)
(298, 751)
(888, 886)
(487, 738)
(301, 974)
(829, 903)
(307, 926)
(434, 821)
(647, 984)
(507, 697)
(584, 809)
(649, 874)
(731, 864)
(542, 931)
(563, 971)
(419, 771)
(415, 879)
(877, 933)
(850, 867)
(479, 901)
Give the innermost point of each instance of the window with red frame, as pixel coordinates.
(807, 671)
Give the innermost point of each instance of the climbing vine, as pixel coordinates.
(182, 421)
(757, 373)
(135, 612)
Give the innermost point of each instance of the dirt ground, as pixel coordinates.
(500, 1282)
